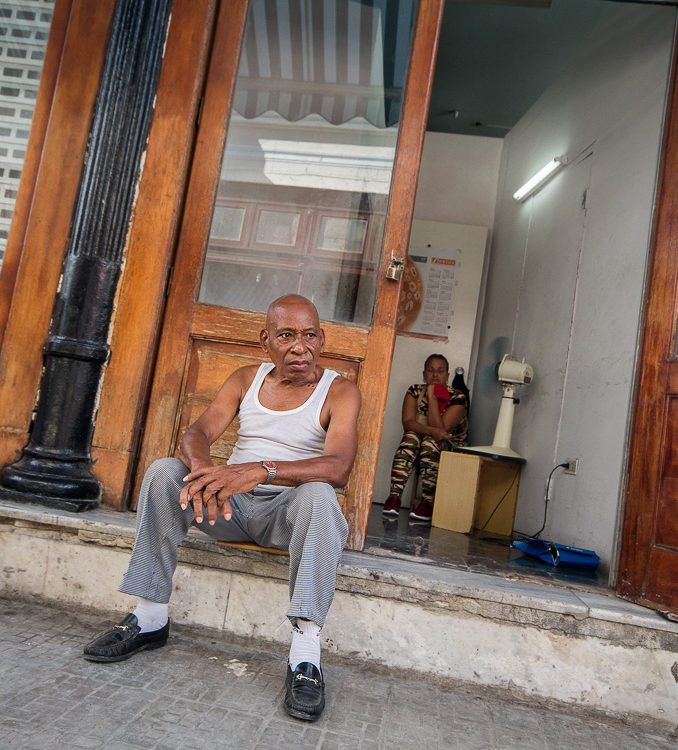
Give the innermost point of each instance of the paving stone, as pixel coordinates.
(201, 692)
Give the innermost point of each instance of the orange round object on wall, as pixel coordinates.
(411, 297)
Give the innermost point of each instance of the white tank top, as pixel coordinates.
(269, 435)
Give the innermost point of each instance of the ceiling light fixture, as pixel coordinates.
(539, 179)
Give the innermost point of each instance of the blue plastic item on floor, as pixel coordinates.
(557, 554)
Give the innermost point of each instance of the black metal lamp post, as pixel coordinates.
(54, 467)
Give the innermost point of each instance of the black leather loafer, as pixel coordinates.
(124, 640)
(305, 695)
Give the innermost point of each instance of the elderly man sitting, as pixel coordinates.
(296, 442)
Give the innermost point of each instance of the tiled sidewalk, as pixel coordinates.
(205, 693)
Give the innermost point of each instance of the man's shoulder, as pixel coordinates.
(243, 377)
(248, 370)
(343, 388)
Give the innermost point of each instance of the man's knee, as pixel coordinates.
(316, 494)
(318, 498)
(167, 468)
(163, 479)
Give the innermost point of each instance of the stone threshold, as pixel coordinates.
(575, 610)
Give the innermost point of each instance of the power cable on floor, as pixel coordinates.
(547, 498)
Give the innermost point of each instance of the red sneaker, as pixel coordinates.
(392, 505)
(423, 511)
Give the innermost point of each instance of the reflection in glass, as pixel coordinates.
(278, 228)
(309, 155)
(338, 234)
(24, 28)
(227, 223)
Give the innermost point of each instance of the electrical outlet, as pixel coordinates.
(572, 466)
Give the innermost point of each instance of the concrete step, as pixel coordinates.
(581, 647)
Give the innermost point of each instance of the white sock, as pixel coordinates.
(151, 615)
(305, 644)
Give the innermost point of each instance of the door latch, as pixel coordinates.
(395, 268)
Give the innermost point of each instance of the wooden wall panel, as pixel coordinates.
(662, 583)
(648, 574)
(151, 242)
(212, 362)
(341, 340)
(47, 226)
(666, 516)
(209, 365)
(29, 172)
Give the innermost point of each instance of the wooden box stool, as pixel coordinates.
(476, 492)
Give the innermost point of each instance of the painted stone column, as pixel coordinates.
(54, 467)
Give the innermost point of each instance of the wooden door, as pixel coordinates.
(296, 187)
(648, 572)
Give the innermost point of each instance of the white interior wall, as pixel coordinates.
(566, 276)
(455, 199)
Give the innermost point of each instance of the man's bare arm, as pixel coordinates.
(195, 444)
(194, 449)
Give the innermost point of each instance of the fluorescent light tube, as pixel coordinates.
(534, 183)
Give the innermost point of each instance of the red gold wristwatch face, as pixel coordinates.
(270, 465)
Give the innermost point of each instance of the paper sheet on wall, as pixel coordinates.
(426, 303)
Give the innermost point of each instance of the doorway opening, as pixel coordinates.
(559, 279)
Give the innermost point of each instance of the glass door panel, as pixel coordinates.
(306, 173)
(24, 28)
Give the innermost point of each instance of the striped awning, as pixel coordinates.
(340, 59)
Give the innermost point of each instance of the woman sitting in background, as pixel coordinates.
(434, 417)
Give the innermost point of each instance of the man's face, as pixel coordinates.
(293, 340)
(436, 372)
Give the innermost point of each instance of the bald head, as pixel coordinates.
(287, 304)
(293, 339)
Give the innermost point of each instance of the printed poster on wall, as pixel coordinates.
(426, 304)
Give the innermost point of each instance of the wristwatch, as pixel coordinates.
(271, 467)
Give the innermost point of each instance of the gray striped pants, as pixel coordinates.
(306, 520)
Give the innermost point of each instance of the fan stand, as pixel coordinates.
(501, 443)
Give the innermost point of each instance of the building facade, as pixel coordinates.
(279, 153)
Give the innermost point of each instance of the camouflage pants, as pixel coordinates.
(412, 447)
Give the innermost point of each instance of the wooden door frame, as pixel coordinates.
(40, 226)
(192, 246)
(396, 243)
(151, 245)
(54, 52)
(658, 342)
